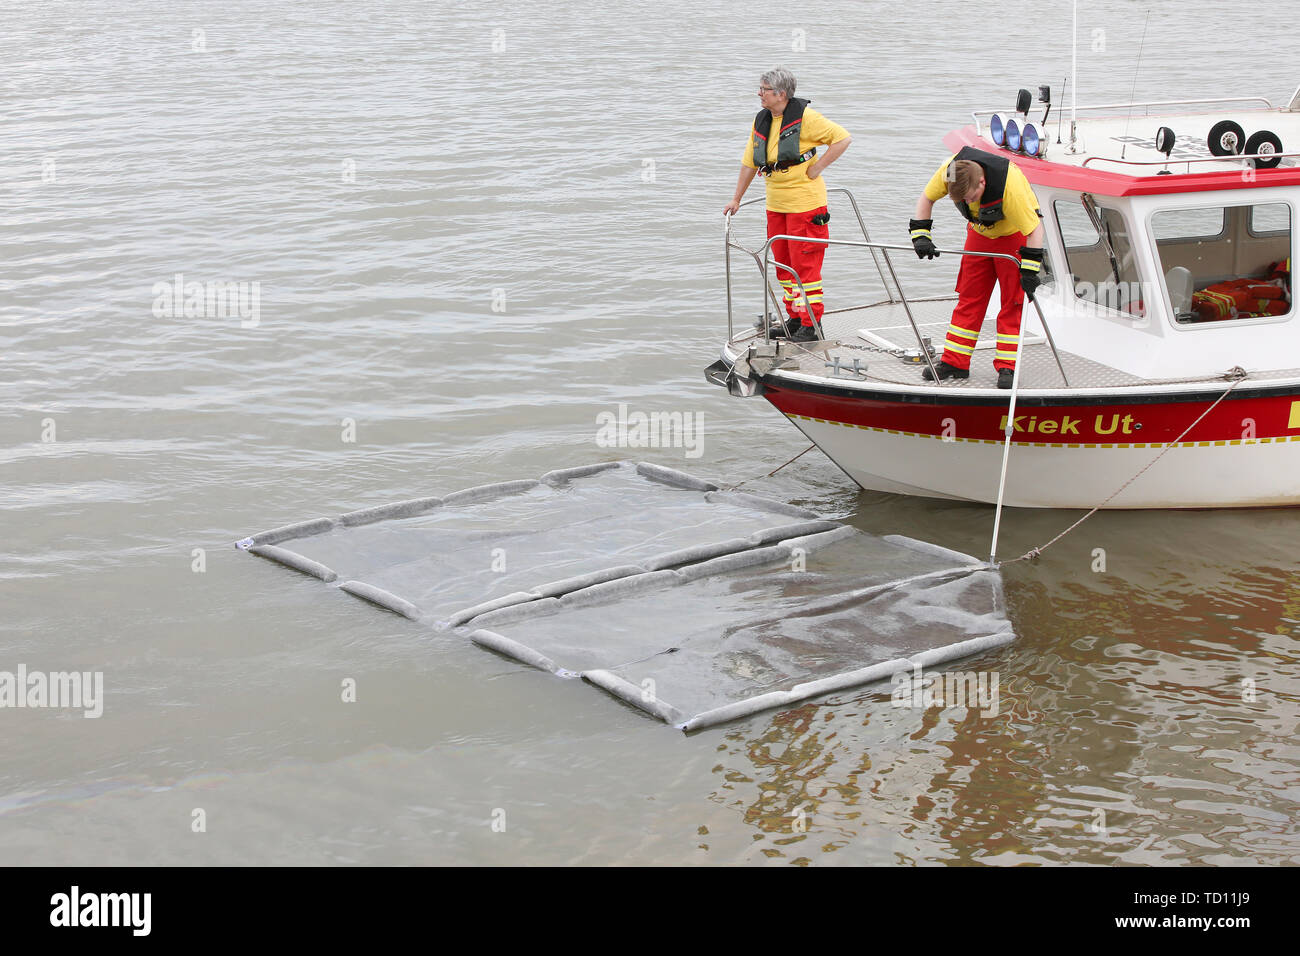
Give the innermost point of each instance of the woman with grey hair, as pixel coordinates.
(782, 147)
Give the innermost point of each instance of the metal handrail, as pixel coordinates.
(862, 224)
(1051, 341)
(1268, 104)
(729, 242)
(920, 341)
(866, 237)
(1200, 159)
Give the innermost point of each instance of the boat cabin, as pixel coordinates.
(1168, 248)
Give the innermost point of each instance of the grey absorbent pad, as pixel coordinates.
(693, 604)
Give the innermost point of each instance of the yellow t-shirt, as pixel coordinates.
(792, 190)
(1019, 204)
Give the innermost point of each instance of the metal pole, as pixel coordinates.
(767, 331)
(1050, 341)
(726, 244)
(771, 293)
(902, 296)
(760, 263)
(1006, 453)
(767, 248)
(867, 238)
(920, 341)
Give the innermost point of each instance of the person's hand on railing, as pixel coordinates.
(731, 208)
(921, 241)
(1031, 264)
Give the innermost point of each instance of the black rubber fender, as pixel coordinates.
(1226, 138)
(1264, 142)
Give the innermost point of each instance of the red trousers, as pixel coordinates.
(975, 281)
(804, 257)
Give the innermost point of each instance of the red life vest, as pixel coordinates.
(1239, 299)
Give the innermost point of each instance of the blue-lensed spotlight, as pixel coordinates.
(1013, 135)
(998, 129)
(1031, 142)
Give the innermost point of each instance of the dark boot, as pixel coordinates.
(946, 371)
(806, 333)
(1006, 377)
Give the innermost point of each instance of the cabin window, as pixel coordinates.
(1189, 224)
(1099, 256)
(1270, 219)
(1225, 263)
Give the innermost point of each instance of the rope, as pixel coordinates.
(1240, 376)
(772, 472)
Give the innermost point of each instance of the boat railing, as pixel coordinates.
(1258, 102)
(862, 224)
(879, 251)
(1234, 157)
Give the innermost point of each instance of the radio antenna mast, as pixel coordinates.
(1060, 114)
(1074, 71)
(1133, 92)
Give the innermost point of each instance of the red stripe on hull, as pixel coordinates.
(1241, 419)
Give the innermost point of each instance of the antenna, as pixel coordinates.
(1060, 114)
(1074, 70)
(1132, 93)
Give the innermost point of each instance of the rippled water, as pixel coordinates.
(474, 228)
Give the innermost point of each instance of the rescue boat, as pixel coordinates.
(1159, 360)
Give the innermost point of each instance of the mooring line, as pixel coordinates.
(1240, 374)
(773, 471)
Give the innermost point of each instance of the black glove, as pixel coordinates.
(921, 240)
(1031, 261)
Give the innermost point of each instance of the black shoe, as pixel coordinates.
(805, 333)
(946, 371)
(1005, 377)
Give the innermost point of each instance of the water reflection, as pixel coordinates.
(1143, 719)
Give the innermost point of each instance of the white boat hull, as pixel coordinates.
(1157, 448)
(1262, 474)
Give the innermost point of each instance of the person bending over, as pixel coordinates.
(995, 198)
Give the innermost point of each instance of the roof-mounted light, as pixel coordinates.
(1013, 136)
(1031, 140)
(998, 129)
(1015, 132)
(1165, 140)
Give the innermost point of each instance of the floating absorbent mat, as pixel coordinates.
(694, 604)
